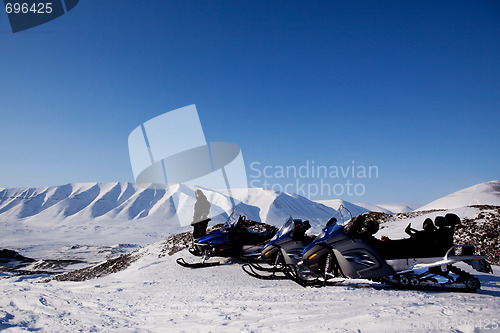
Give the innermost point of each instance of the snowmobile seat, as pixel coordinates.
(354, 226)
(439, 221)
(428, 225)
(452, 219)
(249, 237)
(393, 249)
(360, 227)
(430, 242)
(447, 221)
(372, 227)
(308, 239)
(300, 230)
(445, 231)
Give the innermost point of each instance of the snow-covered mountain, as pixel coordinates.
(127, 201)
(114, 213)
(361, 208)
(393, 207)
(481, 194)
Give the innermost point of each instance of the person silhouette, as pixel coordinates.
(200, 217)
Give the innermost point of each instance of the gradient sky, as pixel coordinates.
(412, 87)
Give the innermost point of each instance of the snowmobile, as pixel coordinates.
(234, 239)
(425, 260)
(283, 253)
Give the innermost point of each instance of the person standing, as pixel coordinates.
(200, 217)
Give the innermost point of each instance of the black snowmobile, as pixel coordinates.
(283, 253)
(232, 240)
(425, 260)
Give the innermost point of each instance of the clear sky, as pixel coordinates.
(411, 87)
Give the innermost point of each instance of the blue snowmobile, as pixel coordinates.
(284, 254)
(232, 240)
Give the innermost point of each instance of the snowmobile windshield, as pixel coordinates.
(341, 217)
(226, 226)
(285, 229)
(230, 223)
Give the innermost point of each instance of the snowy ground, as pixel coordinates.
(155, 294)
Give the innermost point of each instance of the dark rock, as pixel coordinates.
(7, 255)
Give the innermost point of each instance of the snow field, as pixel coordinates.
(157, 295)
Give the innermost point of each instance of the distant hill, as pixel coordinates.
(480, 194)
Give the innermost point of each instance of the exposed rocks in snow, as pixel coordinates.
(417, 213)
(176, 243)
(483, 232)
(15, 264)
(380, 217)
(384, 217)
(109, 266)
(12, 262)
(9, 256)
(259, 226)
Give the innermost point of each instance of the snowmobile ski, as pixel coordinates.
(295, 276)
(252, 271)
(183, 263)
(256, 266)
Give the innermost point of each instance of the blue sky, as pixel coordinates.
(412, 87)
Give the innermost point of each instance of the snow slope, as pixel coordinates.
(480, 194)
(395, 208)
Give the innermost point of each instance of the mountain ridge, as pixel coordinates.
(86, 212)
